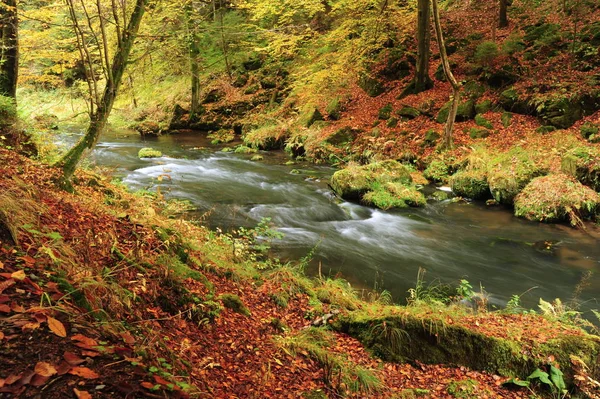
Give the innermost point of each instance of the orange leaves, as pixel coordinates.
(57, 327)
(45, 369)
(82, 394)
(84, 372)
(84, 342)
(73, 359)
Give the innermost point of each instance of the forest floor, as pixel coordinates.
(95, 304)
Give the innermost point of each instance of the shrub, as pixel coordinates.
(514, 44)
(8, 110)
(556, 198)
(149, 153)
(486, 53)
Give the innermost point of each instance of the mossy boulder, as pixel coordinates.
(470, 184)
(431, 138)
(392, 122)
(408, 112)
(149, 153)
(545, 129)
(334, 108)
(310, 115)
(394, 195)
(481, 120)
(353, 182)
(385, 112)
(242, 149)
(589, 131)
(512, 101)
(342, 136)
(557, 198)
(437, 171)
(478, 133)
(483, 106)
(583, 163)
(148, 128)
(506, 119)
(465, 111)
(431, 340)
(510, 172)
(561, 112)
(372, 86)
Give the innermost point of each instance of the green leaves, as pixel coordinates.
(553, 380)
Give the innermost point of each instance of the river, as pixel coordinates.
(488, 246)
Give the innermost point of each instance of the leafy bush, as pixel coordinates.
(8, 110)
(486, 53)
(514, 44)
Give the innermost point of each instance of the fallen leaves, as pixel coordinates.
(44, 369)
(57, 327)
(19, 275)
(84, 372)
(82, 394)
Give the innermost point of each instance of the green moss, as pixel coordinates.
(545, 129)
(480, 120)
(509, 172)
(478, 133)
(483, 106)
(556, 198)
(394, 195)
(588, 130)
(233, 302)
(242, 149)
(392, 122)
(334, 108)
(464, 389)
(437, 171)
(355, 181)
(431, 137)
(256, 158)
(506, 119)
(584, 164)
(465, 112)
(221, 136)
(471, 184)
(149, 153)
(267, 137)
(408, 112)
(385, 112)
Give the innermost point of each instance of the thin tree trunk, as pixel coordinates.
(503, 16)
(9, 56)
(449, 128)
(194, 51)
(99, 118)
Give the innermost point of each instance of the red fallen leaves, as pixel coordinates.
(82, 394)
(84, 342)
(84, 372)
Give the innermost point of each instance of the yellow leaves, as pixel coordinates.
(57, 327)
(19, 275)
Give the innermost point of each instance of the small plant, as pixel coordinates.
(465, 289)
(553, 381)
(486, 53)
(389, 335)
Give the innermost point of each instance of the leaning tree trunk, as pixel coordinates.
(503, 17)
(194, 52)
(449, 129)
(9, 54)
(100, 116)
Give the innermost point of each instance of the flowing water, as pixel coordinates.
(368, 247)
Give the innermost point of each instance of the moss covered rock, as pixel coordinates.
(510, 172)
(394, 195)
(431, 138)
(465, 112)
(408, 112)
(355, 181)
(478, 133)
(583, 163)
(506, 119)
(480, 120)
(437, 171)
(589, 130)
(556, 198)
(385, 112)
(149, 153)
(483, 106)
(409, 337)
(470, 184)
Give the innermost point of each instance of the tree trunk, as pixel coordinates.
(9, 54)
(422, 81)
(194, 52)
(100, 116)
(503, 17)
(449, 128)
